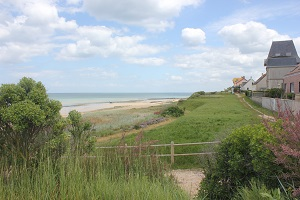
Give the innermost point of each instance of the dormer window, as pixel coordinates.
(277, 54)
(288, 54)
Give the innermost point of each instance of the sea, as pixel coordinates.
(78, 99)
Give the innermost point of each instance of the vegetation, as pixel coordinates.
(41, 155)
(207, 118)
(81, 142)
(173, 111)
(29, 120)
(103, 177)
(241, 157)
(274, 93)
(287, 148)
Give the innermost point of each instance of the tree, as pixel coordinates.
(82, 142)
(28, 119)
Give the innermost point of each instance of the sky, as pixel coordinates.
(141, 46)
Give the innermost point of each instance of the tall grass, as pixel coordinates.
(105, 176)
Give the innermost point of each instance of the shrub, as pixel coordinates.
(173, 111)
(28, 120)
(290, 96)
(287, 146)
(240, 157)
(274, 93)
(82, 142)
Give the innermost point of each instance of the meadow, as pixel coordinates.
(207, 118)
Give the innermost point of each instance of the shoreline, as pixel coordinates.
(84, 108)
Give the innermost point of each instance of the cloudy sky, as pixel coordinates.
(141, 46)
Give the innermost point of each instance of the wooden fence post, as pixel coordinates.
(172, 152)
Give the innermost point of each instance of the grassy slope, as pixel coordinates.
(206, 118)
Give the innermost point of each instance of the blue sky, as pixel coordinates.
(141, 46)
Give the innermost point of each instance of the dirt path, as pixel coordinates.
(188, 180)
(261, 114)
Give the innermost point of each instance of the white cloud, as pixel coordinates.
(28, 28)
(103, 41)
(221, 64)
(146, 61)
(155, 15)
(176, 78)
(96, 72)
(193, 36)
(250, 37)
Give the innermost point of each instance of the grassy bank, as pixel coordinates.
(103, 177)
(207, 118)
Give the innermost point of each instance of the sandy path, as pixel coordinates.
(188, 180)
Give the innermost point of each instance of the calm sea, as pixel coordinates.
(75, 99)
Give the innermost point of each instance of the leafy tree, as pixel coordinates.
(81, 142)
(28, 119)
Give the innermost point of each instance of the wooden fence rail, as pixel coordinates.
(172, 147)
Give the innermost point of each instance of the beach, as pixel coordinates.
(84, 108)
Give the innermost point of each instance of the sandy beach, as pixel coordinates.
(115, 105)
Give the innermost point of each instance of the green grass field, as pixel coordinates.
(207, 118)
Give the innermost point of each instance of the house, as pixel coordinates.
(282, 59)
(291, 81)
(261, 83)
(239, 82)
(248, 85)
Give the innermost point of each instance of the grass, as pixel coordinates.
(207, 118)
(102, 177)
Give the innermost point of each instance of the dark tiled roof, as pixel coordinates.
(281, 61)
(282, 53)
(259, 79)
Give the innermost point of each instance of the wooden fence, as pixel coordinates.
(172, 146)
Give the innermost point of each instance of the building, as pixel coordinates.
(282, 59)
(291, 81)
(248, 85)
(261, 83)
(239, 82)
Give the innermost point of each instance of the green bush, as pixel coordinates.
(240, 157)
(274, 93)
(173, 111)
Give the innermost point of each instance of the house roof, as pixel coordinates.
(294, 71)
(282, 53)
(260, 78)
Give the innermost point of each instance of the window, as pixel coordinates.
(299, 88)
(292, 88)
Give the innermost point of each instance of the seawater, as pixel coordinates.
(76, 99)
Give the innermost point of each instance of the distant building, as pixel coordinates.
(248, 85)
(261, 83)
(291, 81)
(282, 59)
(239, 82)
